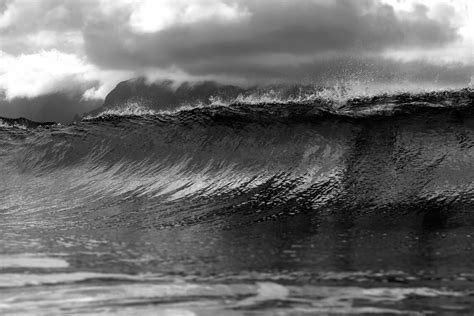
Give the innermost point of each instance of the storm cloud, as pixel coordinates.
(84, 48)
(270, 32)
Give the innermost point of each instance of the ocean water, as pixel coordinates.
(302, 207)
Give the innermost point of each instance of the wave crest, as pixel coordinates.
(310, 103)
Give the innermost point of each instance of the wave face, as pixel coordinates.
(380, 183)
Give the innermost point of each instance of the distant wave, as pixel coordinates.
(22, 123)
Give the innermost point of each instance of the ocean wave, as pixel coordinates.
(316, 103)
(262, 160)
(22, 123)
(246, 206)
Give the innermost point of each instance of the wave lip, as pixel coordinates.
(317, 104)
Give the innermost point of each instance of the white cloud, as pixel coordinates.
(460, 51)
(8, 16)
(52, 71)
(34, 74)
(24, 15)
(106, 81)
(43, 40)
(156, 15)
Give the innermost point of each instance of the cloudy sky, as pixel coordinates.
(61, 57)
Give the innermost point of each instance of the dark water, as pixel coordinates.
(280, 209)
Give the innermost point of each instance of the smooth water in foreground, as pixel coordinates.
(272, 209)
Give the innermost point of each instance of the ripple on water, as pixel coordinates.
(32, 261)
(147, 294)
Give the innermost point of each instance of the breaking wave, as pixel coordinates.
(262, 160)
